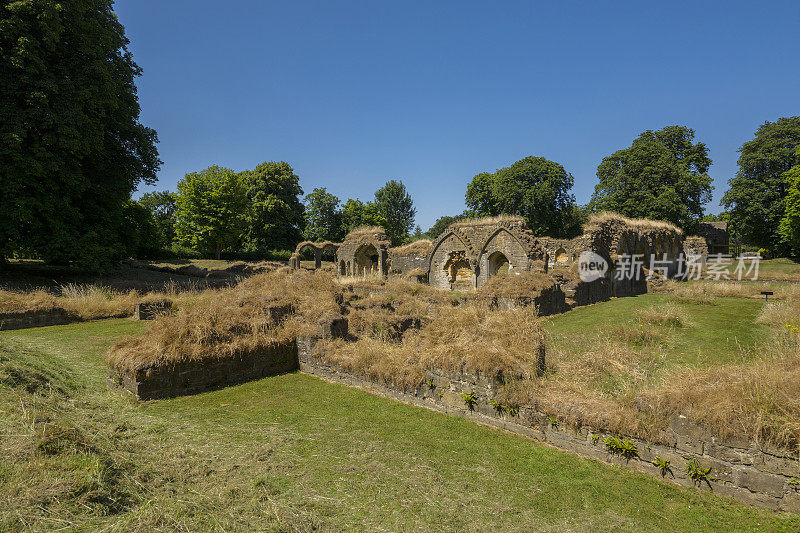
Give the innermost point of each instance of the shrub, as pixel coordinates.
(697, 473)
(621, 446)
(470, 400)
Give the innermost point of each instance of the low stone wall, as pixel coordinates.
(550, 301)
(192, 377)
(36, 319)
(758, 476)
(403, 265)
(151, 310)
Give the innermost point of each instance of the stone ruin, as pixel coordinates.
(364, 253)
(469, 253)
(317, 248)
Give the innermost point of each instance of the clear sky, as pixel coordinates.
(433, 92)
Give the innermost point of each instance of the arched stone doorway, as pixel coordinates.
(367, 261)
(498, 264)
(459, 272)
(561, 257)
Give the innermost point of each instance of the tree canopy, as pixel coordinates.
(663, 175)
(395, 205)
(212, 210)
(534, 188)
(162, 206)
(323, 217)
(356, 213)
(789, 228)
(757, 197)
(72, 149)
(276, 215)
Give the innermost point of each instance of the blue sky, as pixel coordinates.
(354, 93)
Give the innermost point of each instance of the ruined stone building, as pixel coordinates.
(364, 252)
(469, 253)
(716, 236)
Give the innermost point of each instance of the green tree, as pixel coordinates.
(140, 234)
(162, 206)
(396, 207)
(323, 217)
(757, 197)
(789, 228)
(356, 213)
(212, 210)
(533, 188)
(441, 224)
(276, 216)
(662, 176)
(72, 149)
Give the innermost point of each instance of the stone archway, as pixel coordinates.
(561, 257)
(303, 255)
(459, 271)
(367, 261)
(498, 264)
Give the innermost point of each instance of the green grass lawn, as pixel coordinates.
(719, 333)
(293, 452)
(781, 269)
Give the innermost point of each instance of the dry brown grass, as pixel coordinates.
(781, 314)
(484, 221)
(232, 322)
(512, 285)
(420, 247)
(759, 400)
(468, 338)
(703, 292)
(86, 302)
(666, 315)
(599, 219)
(364, 230)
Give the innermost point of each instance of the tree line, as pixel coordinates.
(662, 175)
(259, 212)
(73, 151)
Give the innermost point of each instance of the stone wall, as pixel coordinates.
(410, 261)
(192, 377)
(364, 253)
(740, 470)
(317, 248)
(696, 246)
(151, 310)
(35, 319)
(468, 253)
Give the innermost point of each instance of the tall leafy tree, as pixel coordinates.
(356, 213)
(789, 228)
(534, 188)
(397, 208)
(758, 193)
(276, 217)
(212, 210)
(443, 222)
(72, 149)
(162, 206)
(663, 175)
(323, 217)
(140, 233)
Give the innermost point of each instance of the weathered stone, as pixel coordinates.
(278, 312)
(332, 327)
(150, 310)
(756, 481)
